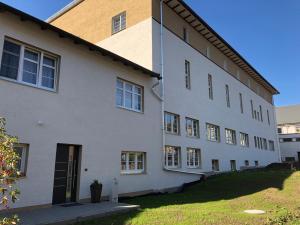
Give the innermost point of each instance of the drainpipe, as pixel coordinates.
(276, 135)
(162, 83)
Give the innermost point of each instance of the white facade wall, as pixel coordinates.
(81, 112)
(195, 103)
(290, 149)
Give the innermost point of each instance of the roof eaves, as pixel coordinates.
(77, 40)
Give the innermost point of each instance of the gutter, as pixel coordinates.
(63, 10)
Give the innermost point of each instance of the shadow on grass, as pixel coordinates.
(222, 187)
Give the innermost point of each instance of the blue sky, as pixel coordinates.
(265, 32)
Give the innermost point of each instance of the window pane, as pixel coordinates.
(137, 90)
(128, 87)
(131, 161)
(19, 151)
(128, 100)
(30, 72)
(137, 102)
(9, 66)
(119, 84)
(48, 77)
(10, 60)
(49, 62)
(119, 97)
(31, 55)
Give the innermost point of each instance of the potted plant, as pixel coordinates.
(96, 189)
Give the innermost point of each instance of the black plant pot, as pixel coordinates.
(96, 190)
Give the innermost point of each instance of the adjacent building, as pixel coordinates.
(288, 126)
(144, 93)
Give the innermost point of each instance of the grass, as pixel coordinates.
(221, 200)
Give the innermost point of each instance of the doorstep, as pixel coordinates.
(59, 215)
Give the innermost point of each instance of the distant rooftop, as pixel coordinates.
(288, 114)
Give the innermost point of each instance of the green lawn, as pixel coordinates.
(221, 200)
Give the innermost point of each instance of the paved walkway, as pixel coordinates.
(58, 215)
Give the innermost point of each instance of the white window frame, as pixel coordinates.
(187, 71)
(23, 158)
(191, 158)
(230, 136)
(133, 94)
(122, 25)
(210, 87)
(135, 170)
(216, 128)
(244, 139)
(172, 153)
(175, 120)
(41, 54)
(195, 127)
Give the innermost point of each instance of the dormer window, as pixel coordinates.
(119, 22)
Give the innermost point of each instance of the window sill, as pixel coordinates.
(176, 134)
(193, 137)
(230, 144)
(27, 84)
(213, 141)
(128, 109)
(194, 167)
(124, 173)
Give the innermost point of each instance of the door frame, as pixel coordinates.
(79, 149)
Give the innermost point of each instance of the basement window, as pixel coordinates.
(28, 65)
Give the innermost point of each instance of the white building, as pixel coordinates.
(75, 105)
(288, 126)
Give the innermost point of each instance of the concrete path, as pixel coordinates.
(58, 215)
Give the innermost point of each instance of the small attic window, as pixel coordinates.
(185, 35)
(119, 22)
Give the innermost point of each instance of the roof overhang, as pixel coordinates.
(76, 40)
(191, 17)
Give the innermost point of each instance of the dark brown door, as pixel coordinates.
(66, 174)
(298, 156)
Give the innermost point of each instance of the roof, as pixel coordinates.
(288, 114)
(76, 40)
(190, 16)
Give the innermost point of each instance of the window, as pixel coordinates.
(213, 132)
(261, 142)
(252, 110)
(246, 162)
(241, 103)
(133, 162)
(192, 127)
(187, 75)
(172, 123)
(256, 163)
(27, 65)
(230, 136)
(255, 142)
(22, 151)
(290, 159)
(215, 165)
(249, 83)
(271, 145)
(210, 87)
(185, 35)
(119, 22)
(265, 144)
(227, 95)
(244, 139)
(129, 96)
(261, 114)
(279, 130)
(233, 165)
(193, 158)
(172, 157)
(287, 140)
(268, 115)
